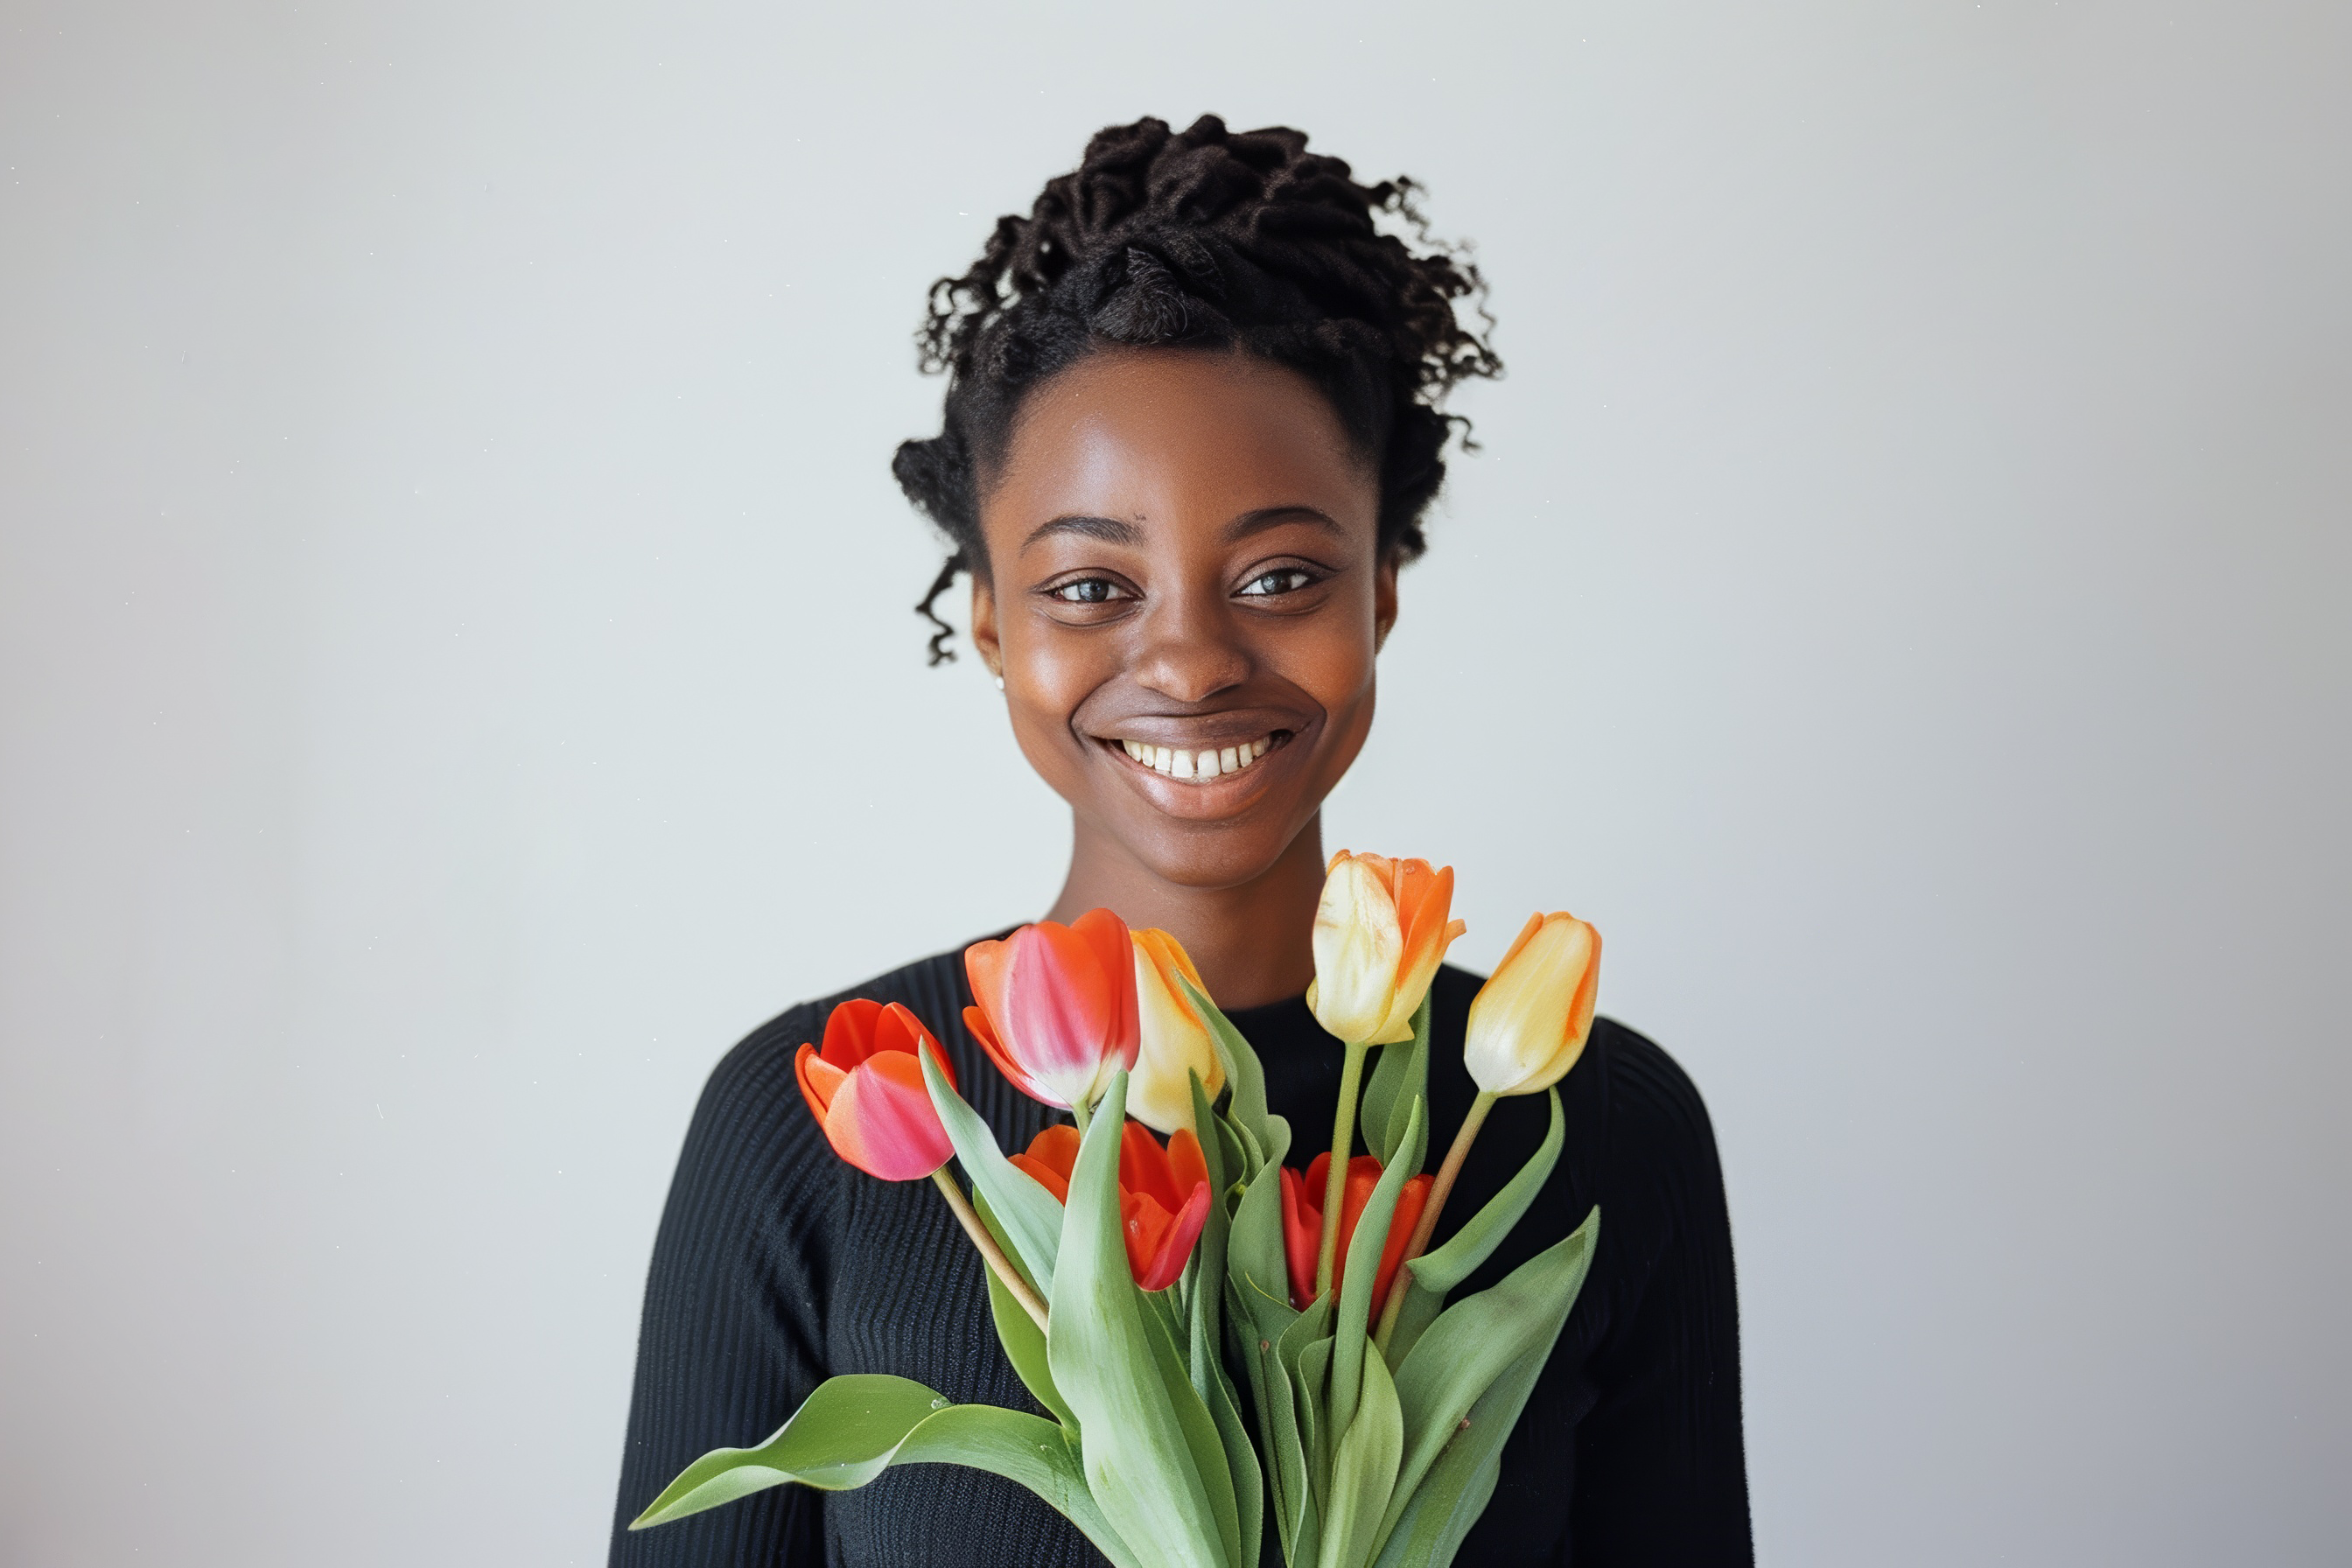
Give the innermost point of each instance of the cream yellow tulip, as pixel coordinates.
(1176, 1041)
(1529, 1021)
(1380, 931)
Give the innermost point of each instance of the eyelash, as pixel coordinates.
(1111, 592)
(1066, 592)
(1304, 579)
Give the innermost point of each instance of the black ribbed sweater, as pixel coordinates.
(778, 1266)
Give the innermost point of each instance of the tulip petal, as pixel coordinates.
(1114, 953)
(882, 1121)
(1174, 1041)
(1143, 1166)
(1055, 1182)
(1409, 1203)
(1143, 1222)
(1358, 945)
(1302, 1234)
(820, 1080)
(1176, 1238)
(1188, 1167)
(849, 1032)
(977, 1023)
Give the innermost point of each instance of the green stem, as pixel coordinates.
(1335, 1181)
(1426, 1227)
(1081, 1115)
(988, 1251)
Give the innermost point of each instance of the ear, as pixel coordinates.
(983, 625)
(1384, 602)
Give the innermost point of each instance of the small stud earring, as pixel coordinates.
(1000, 683)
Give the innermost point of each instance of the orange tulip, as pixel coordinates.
(1176, 1039)
(1380, 931)
(867, 1089)
(1302, 1223)
(1163, 1193)
(1056, 1008)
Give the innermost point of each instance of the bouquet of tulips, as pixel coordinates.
(1126, 1276)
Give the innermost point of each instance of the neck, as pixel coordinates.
(1253, 942)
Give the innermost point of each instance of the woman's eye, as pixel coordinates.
(1086, 591)
(1281, 579)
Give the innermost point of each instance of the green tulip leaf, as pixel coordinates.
(1206, 1276)
(1017, 1332)
(1246, 1077)
(1399, 1076)
(1361, 1277)
(1308, 1379)
(1436, 1273)
(1201, 1435)
(1277, 1418)
(851, 1429)
(1429, 1525)
(1105, 1354)
(1241, 1461)
(1473, 1341)
(843, 1436)
(1030, 1217)
(1255, 1254)
(1363, 1473)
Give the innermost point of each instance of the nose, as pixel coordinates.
(1190, 649)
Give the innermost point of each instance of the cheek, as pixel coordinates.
(1046, 677)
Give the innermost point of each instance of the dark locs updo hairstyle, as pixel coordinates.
(1203, 238)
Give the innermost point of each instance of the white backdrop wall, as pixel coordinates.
(455, 677)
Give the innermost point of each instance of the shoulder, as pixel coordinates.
(1631, 1105)
(760, 1068)
(753, 1089)
(1653, 1106)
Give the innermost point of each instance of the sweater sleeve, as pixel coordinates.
(732, 1337)
(1661, 1468)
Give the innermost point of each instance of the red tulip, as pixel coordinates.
(1163, 1193)
(1302, 1223)
(1057, 1011)
(867, 1089)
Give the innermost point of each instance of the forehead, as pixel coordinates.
(1178, 437)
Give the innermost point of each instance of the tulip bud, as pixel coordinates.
(1303, 1216)
(1529, 1021)
(866, 1089)
(1163, 1194)
(1056, 1008)
(1380, 931)
(1176, 1039)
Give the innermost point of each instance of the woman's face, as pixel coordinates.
(1184, 598)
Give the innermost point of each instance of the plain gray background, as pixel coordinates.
(455, 677)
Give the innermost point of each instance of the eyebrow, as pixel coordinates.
(1111, 531)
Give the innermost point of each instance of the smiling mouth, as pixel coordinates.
(1206, 765)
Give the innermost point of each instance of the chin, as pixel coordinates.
(1211, 856)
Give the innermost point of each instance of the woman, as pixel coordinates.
(1191, 430)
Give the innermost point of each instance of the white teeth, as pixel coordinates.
(1205, 763)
